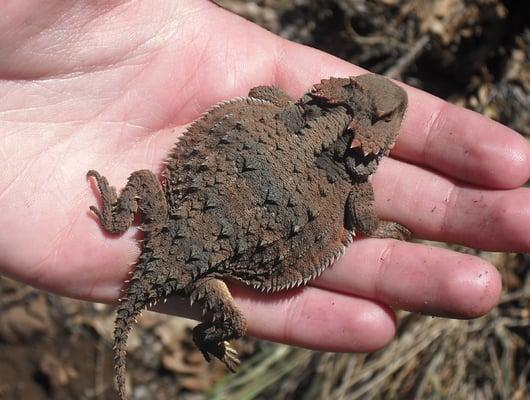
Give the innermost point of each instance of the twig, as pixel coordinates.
(408, 58)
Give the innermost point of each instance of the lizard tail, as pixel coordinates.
(130, 308)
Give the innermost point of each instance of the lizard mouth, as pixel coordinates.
(361, 163)
(368, 140)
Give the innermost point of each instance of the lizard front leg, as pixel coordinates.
(272, 94)
(225, 322)
(143, 190)
(360, 215)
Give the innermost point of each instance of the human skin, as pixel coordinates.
(111, 85)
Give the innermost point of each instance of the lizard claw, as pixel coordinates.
(221, 350)
(230, 359)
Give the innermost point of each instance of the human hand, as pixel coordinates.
(85, 86)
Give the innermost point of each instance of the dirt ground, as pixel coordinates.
(475, 53)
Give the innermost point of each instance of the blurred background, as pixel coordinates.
(474, 53)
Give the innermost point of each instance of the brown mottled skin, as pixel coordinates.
(262, 190)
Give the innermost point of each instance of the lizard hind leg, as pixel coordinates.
(143, 191)
(225, 322)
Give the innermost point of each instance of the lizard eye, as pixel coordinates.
(387, 116)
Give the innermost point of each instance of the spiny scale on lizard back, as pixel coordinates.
(261, 190)
(262, 168)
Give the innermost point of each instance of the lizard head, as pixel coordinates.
(376, 105)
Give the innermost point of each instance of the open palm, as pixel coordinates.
(111, 87)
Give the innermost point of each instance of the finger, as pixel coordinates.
(436, 208)
(319, 319)
(462, 143)
(310, 317)
(414, 277)
(444, 137)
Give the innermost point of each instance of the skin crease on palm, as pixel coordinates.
(111, 85)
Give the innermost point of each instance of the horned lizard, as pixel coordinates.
(263, 190)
